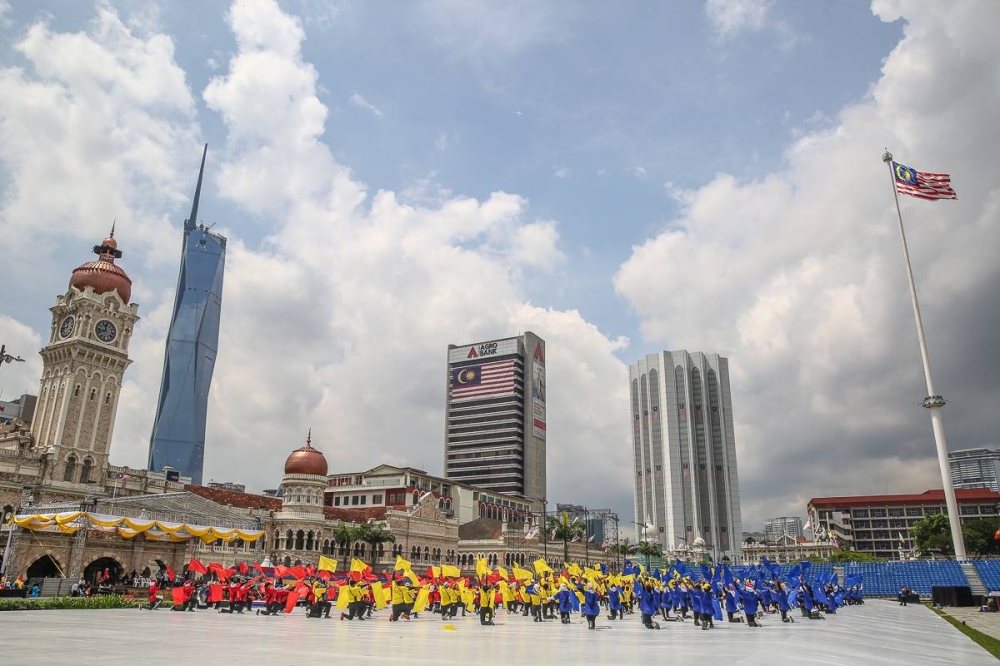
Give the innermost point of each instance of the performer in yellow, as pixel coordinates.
(487, 599)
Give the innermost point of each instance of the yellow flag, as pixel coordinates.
(574, 570)
(435, 572)
(421, 602)
(450, 571)
(521, 574)
(469, 597)
(401, 564)
(327, 564)
(343, 597)
(542, 567)
(503, 573)
(358, 565)
(378, 592)
(505, 592)
(482, 569)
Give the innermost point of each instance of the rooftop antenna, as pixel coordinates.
(113, 222)
(192, 221)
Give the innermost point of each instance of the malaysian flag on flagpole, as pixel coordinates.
(483, 381)
(922, 184)
(606, 544)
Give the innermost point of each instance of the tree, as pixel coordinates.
(979, 536)
(851, 556)
(648, 549)
(933, 533)
(374, 534)
(566, 530)
(344, 535)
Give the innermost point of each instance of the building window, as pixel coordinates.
(364, 500)
(85, 471)
(93, 393)
(76, 391)
(376, 499)
(70, 470)
(914, 511)
(354, 500)
(107, 399)
(336, 501)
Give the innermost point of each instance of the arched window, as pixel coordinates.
(76, 390)
(427, 554)
(277, 540)
(381, 551)
(289, 540)
(70, 470)
(85, 470)
(300, 538)
(107, 399)
(309, 540)
(93, 393)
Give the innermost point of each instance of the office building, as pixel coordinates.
(684, 449)
(975, 468)
(882, 525)
(495, 415)
(776, 528)
(178, 438)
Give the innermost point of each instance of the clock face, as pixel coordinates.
(105, 331)
(66, 328)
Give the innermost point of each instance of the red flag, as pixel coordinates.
(214, 593)
(325, 575)
(355, 576)
(197, 567)
(170, 573)
(298, 572)
(256, 565)
(220, 571)
(310, 570)
(244, 569)
(293, 598)
(280, 571)
(181, 594)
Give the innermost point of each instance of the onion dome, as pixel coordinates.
(103, 275)
(306, 460)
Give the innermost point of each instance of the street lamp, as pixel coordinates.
(8, 358)
(545, 526)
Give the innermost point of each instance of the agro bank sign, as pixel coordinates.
(483, 350)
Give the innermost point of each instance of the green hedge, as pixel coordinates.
(54, 603)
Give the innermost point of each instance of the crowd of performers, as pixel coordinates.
(702, 594)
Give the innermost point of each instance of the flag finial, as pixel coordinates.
(887, 156)
(309, 437)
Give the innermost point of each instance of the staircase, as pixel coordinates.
(975, 582)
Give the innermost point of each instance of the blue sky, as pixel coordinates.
(618, 178)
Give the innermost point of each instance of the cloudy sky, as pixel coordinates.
(394, 177)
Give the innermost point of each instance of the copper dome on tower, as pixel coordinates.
(103, 275)
(306, 460)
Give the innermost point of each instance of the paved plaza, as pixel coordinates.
(878, 633)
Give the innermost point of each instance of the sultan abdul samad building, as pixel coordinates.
(68, 512)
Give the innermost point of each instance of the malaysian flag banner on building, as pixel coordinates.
(488, 380)
(922, 184)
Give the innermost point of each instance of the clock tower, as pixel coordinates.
(83, 366)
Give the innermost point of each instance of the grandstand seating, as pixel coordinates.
(989, 571)
(887, 578)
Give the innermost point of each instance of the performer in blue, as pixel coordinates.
(749, 598)
(565, 600)
(732, 607)
(783, 606)
(591, 606)
(647, 604)
(615, 602)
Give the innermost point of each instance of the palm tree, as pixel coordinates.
(566, 530)
(344, 535)
(649, 549)
(374, 534)
(622, 548)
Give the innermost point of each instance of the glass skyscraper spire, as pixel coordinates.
(178, 438)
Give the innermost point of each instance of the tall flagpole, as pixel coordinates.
(933, 402)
